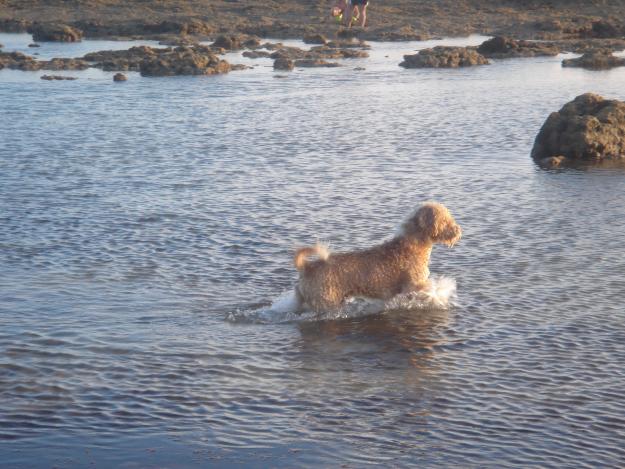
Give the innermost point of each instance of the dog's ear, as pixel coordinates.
(427, 222)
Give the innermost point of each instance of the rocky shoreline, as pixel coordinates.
(554, 20)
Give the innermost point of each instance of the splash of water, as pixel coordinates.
(441, 294)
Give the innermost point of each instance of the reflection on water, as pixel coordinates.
(136, 219)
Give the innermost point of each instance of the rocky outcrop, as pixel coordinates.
(283, 63)
(122, 60)
(309, 63)
(54, 32)
(601, 59)
(236, 42)
(315, 39)
(501, 47)
(64, 64)
(150, 61)
(120, 77)
(143, 28)
(196, 60)
(57, 77)
(589, 129)
(19, 61)
(444, 57)
(256, 54)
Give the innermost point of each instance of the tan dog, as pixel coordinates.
(396, 266)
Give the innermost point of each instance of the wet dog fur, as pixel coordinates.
(399, 265)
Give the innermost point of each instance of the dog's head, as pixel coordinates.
(433, 222)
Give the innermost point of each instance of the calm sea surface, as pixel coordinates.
(144, 225)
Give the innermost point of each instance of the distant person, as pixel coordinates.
(347, 12)
(357, 8)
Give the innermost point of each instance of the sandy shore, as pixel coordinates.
(397, 20)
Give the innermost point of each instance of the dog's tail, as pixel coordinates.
(300, 259)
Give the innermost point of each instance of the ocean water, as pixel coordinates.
(146, 239)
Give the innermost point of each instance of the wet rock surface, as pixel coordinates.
(444, 57)
(501, 47)
(315, 39)
(120, 77)
(122, 60)
(54, 32)
(196, 60)
(589, 129)
(57, 77)
(600, 59)
(310, 63)
(283, 63)
(19, 61)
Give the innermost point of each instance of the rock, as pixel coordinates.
(34, 45)
(64, 64)
(18, 61)
(444, 57)
(150, 61)
(348, 44)
(315, 39)
(309, 63)
(123, 60)
(256, 54)
(120, 77)
(500, 47)
(57, 77)
(599, 59)
(406, 33)
(587, 129)
(606, 29)
(228, 43)
(55, 32)
(283, 63)
(197, 60)
(14, 26)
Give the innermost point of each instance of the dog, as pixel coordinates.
(399, 265)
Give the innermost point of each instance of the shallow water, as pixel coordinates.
(137, 219)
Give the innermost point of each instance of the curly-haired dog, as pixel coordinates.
(396, 266)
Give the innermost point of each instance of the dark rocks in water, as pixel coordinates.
(122, 60)
(256, 54)
(34, 45)
(309, 63)
(236, 42)
(54, 32)
(318, 53)
(196, 60)
(599, 59)
(64, 64)
(150, 61)
(501, 47)
(315, 39)
(18, 61)
(444, 57)
(283, 63)
(120, 77)
(57, 77)
(589, 129)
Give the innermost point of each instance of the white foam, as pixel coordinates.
(441, 294)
